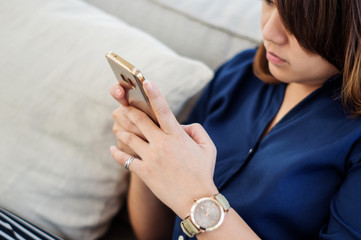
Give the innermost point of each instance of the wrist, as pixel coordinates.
(188, 201)
(207, 214)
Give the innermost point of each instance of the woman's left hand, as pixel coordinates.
(177, 162)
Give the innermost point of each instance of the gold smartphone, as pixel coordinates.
(131, 79)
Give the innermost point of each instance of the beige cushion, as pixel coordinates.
(56, 123)
(209, 30)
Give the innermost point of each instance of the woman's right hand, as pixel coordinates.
(145, 210)
(121, 122)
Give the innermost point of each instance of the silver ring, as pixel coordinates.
(128, 162)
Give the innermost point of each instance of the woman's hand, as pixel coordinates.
(176, 162)
(121, 122)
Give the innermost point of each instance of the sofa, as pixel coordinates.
(55, 110)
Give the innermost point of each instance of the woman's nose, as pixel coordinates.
(273, 28)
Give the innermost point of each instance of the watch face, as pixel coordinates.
(207, 214)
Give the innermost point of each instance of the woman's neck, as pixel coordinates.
(294, 94)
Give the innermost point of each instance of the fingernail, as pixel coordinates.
(148, 85)
(119, 92)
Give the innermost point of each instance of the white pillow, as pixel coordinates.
(209, 30)
(56, 123)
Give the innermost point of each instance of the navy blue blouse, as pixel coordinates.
(303, 179)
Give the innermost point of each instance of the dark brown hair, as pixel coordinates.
(331, 29)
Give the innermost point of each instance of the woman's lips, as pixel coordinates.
(273, 58)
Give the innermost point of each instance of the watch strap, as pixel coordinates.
(223, 201)
(188, 227)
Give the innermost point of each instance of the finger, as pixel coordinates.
(122, 123)
(130, 124)
(165, 117)
(118, 94)
(142, 122)
(199, 135)
(136, 143)
(122, 157)
(124, 148)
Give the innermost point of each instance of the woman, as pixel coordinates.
(285, 151)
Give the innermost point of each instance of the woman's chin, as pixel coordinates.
(282, 74)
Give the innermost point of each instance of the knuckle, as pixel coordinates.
(214, 150)
(125, 110)
(163, 110)
(117, 127)
(128, 125)
(139, 119)
(137, 116)
(114, 129)
(128, 138)
(116, 113)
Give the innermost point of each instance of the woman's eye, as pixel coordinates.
(269, 2)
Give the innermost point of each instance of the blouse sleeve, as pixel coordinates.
(345, 209)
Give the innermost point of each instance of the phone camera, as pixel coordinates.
(127, 80)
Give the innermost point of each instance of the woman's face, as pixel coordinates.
(287, 60)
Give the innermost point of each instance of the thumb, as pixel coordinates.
(118, 94)
(199, 135)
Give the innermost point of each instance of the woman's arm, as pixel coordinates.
(345, 207)
(150, 218)
(233, 227)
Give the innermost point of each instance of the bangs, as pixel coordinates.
(317, 25)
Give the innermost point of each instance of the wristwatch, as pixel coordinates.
(207, 214)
